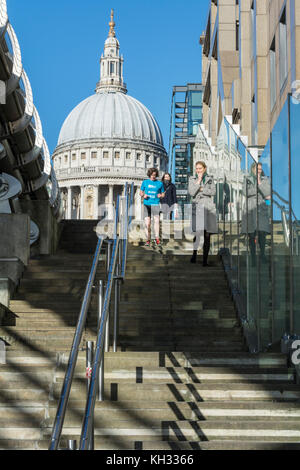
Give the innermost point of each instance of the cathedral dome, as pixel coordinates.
(110, 115)
(108, 140)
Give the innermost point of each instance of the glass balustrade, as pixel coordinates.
(258, 210)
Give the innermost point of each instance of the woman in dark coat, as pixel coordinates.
(169, 202)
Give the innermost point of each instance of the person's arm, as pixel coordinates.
(162, 192)
(193, 187)
(142, 191)
(265, 188)
(174, 194)
(209, 189)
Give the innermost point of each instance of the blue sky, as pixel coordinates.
(62, 40)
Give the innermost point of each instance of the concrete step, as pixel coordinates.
(197, 431)
(25, 378)
(191, 392)
(43, 340)
(174, 444)
(181, 411)
(194, 359)
(17, 360)
(189, 375)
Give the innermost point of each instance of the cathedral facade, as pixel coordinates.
(107, 140)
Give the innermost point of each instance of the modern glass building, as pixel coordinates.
(186, 115)
(251, 117)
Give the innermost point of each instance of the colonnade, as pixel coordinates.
(83, 201)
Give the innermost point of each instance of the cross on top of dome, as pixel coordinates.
(112, 25)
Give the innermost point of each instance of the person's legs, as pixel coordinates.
(206, 247)
(252, 247)
(156, 226)
(147, 212)
(196, 243)
(262, 244)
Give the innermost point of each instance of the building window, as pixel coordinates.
(73, 156)
(83, 156)
(112, 67)
(105, 154)
(254, 120)
(66, 158)
(237, 35)
(147, 158)
(117, 154)
(283, 53)
(128, 155)
(138, 157)
(272, 74)
(94, 154)
(253, 30)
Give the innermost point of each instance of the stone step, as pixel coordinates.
(130, 322)
(174, 444)
(158, 344)
(190, 392)
(195, 359)
(124, 410)
(22, 415)
(196, 430)
(25, 378)
(187, 375)
(17, 360)
(33, 394)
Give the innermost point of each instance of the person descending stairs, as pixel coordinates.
(182, 377)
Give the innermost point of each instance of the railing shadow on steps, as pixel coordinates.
(116, 258)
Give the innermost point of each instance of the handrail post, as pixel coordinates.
(72, 444)
(101, 370)
(116, 309)
(89, 363)
(107, 328)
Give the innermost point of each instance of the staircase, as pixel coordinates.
(181, 379)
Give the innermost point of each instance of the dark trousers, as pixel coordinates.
(206, 245)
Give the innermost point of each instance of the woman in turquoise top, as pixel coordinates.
(151, 192)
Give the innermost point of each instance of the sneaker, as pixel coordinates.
(147, 243)
(157, 241)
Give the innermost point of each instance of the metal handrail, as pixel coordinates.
(86, 437)
(91, 400)
(128, 219)
(65, 392)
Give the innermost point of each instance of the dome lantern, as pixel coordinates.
(111, 63)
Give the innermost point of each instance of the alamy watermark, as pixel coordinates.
(296, 92)
(2, 92)
(295, 357)
(106, 227)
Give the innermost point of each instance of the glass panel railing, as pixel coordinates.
(264, 260)
(280, 214)
(295, 209)
(258, 210)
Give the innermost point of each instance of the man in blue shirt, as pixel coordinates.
(152, 191)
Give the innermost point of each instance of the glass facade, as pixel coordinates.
(258, 205)
(186, 117)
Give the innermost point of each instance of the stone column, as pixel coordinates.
(69, 205)
(96, 202)
(110, 201)
(81, 202)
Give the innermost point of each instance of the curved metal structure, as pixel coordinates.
(24, 153)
